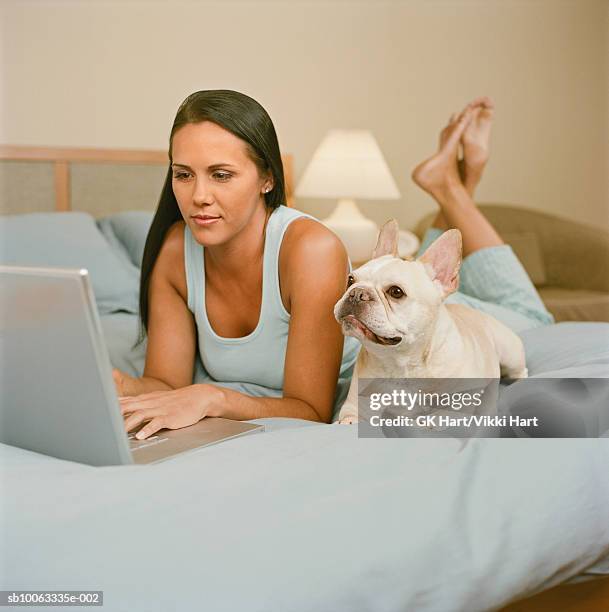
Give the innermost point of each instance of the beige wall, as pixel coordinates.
(111, 74)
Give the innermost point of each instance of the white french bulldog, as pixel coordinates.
(396, 309)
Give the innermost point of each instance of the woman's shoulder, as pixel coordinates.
(305, 235)
(309, 247)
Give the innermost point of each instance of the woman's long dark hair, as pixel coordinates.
(246, 119)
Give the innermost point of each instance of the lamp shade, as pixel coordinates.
(348, 164)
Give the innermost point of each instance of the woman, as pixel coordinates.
(230, 271)
(252, 284)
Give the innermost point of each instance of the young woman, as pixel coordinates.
(231, 273)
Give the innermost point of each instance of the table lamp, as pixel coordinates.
(348, 164)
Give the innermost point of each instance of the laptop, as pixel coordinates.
(57, 395)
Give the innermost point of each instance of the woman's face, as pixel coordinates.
(217, 186)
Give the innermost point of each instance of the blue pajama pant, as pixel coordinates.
(494, 281)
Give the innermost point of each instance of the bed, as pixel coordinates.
(305, 516)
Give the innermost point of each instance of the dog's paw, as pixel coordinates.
(348, 420)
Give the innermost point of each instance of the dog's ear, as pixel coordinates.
(442, 260)
(387, 243)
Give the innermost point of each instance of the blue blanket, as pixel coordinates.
(311, 518)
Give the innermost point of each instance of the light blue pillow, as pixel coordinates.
(127, 232)
(71, 240)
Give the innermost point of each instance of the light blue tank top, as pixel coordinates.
(253, 364)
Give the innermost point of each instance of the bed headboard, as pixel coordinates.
(98, 181)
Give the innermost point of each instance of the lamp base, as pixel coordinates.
(356, 232)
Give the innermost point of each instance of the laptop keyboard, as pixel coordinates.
(136, 444)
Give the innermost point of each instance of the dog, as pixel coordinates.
(396, 309)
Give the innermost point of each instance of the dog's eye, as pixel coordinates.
(350, 280)
(395, 292)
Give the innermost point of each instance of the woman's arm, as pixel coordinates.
(314, 268)
(171, 345)
(130, 385)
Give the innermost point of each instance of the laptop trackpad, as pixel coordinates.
(169, 442)
(135, 444)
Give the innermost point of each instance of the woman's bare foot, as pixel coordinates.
(473, 149)
(440, 172)
(439, 176)
(475, 142)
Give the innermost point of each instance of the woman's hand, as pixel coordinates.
(168, 409)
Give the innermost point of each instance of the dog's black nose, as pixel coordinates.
(360, 294)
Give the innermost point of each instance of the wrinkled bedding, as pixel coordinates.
(309, 517)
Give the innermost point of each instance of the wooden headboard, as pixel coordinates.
(99, 181)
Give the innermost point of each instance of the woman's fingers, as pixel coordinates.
(169, 409)
(133, 404)
(155, 425)
(136, 402)
(145, 396)
(129, 404)
(129, 408)
(137, 418)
